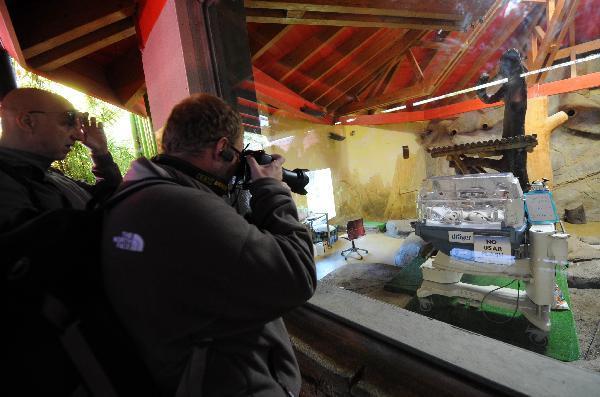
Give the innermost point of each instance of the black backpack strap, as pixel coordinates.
(192, 379)
(78, 348)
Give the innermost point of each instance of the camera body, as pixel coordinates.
(296, 179)
(261, 157)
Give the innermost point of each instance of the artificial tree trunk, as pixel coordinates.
(538, 122)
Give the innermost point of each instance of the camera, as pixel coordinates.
(296, 179)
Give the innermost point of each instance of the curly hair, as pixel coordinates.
(197, 121)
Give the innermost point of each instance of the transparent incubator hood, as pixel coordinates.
(477, 201)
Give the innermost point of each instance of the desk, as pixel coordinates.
(316, 216)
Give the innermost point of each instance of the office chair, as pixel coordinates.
(355, 229)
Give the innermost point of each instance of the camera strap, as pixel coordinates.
(216, 185)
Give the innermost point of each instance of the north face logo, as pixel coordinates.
(129, 242)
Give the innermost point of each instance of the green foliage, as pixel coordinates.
(78, 163)
(121, 154)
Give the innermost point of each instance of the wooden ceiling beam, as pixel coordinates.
(267, 44)
(367, 86)
(389, 71)
(539, 32)
(558, 26)
(66, 21)
(432, 45)
(126, 77)
(346, 50)
(311, 46)
(415, 64)
(496, 43)
(83, 45)
(417, 90)
(357, 63)
(8, 36)
(436, 73)
(451, 56)
(334, 19)
(276, 94)
(581, 48)
(87, 77)
(334, 7)
(573, 55)
(554, 25)
(261, 107)
(395, 49)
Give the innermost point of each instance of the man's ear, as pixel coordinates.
(24, 121)
(221, 146)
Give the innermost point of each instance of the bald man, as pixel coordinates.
(39, 127)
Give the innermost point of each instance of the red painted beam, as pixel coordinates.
(556, 87)
(149, 11)
(276, 94)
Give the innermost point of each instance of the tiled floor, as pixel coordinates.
(382, 249)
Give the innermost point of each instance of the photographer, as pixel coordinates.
(200, 289)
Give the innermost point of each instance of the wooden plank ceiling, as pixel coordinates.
(365, 56)
(316, 59)
(88, 45)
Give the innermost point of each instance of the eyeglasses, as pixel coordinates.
(71, 116)
(240, 153)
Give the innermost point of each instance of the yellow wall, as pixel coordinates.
(370, 177)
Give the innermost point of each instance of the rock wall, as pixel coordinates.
(575, 153)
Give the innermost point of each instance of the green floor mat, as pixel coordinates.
(372, 225)
(562, 341)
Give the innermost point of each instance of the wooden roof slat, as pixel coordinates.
(313, 44)
(274, 93)
(449, 59)
(356, 63)
(445, 60)
(384, 9)
(87, 77)
(493, 46)
(400, 46)
(334, 19)
(559, 26)
(572, 44)
(68, 21)
(388, 74)
(578, 49)
(431, 44)
(415, 64)
(126, 77)
(347, 49)
(367, 86)
(83, 45)
(271, 42)
(436, 72)
(399, 69)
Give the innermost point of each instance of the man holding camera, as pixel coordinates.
(199, 288)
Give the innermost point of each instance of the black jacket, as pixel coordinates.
(28, 186)
(182, 269)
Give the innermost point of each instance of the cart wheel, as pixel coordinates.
(425, 304)
(537, 336)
